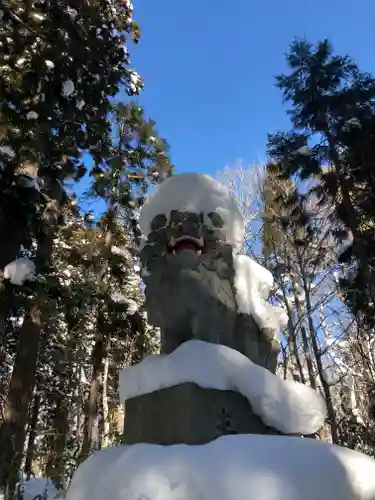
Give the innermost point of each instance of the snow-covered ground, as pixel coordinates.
(285, 405)
(250, 467)
(36, 486)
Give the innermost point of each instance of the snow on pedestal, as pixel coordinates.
(238, 467)
(285, 405)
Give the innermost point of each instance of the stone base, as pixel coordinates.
(189, 414)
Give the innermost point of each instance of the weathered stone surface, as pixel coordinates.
(189, 414)
(190, 292)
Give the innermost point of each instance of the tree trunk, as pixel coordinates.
(104, 438)
(32, 436)
(4, 308)
(292, 328)
(318, 358)
(22, 382)
(91, 413)
(99, 352)
(56, 465)
(21, 387)
(12, 239)
(351, 215)
(305, 343)
(56, 462)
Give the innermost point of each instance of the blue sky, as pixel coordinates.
(209, 68)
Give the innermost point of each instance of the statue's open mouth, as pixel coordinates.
(186, 243)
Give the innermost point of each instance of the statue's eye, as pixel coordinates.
(158, 222)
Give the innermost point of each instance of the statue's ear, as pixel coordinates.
(158, 222)
(216, 220)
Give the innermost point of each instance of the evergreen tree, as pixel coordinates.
(276, 192)
(138, 157)
(301, 257)
(59, 66)
(332, 142)
(93, 321)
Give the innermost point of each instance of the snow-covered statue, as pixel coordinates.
(197, 287)
(210, 386)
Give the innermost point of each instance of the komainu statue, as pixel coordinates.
(197, 287)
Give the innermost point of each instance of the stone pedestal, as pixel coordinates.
(189, 414)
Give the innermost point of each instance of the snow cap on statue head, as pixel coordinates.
(194, 192)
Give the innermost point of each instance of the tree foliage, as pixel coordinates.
(332, 143)
(68, 327)
(323, 345)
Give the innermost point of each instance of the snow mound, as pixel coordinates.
(253, 283)
(39, 486)
(285, 405)
(195, 193)
(250, 467)
(19, 271)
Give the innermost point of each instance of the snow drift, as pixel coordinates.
(38, 487)
(285, 405)
(238, 467)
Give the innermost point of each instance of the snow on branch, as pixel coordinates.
(19, 271)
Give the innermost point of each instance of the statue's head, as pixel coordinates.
(190, 220)
(185, 262)
(183, 240)
(190, 201)
(192, 225)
